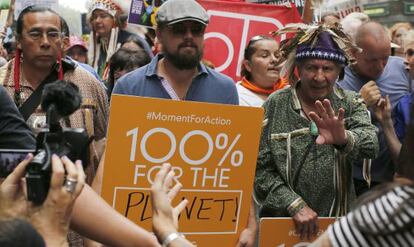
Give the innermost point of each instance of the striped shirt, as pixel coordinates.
(386, 221)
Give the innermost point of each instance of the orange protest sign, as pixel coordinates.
(213, 149)
(280, 232)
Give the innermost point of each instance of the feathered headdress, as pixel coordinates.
(109, 6)
(306, 44)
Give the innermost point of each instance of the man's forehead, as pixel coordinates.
(315, 61)
(41, 20)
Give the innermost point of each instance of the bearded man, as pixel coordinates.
(177, 72)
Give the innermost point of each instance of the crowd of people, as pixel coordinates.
(337, 135)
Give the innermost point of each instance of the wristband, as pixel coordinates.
(171, 237)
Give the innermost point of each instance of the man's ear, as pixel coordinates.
(65, 43)
(158, 34)
(18, 45)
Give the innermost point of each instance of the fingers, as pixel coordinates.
(306, 223)
(370, 93)
(321, 110)
(180, 207)
(71, 170)
(370, 84)
(168, 181)
(160, 177)
(315, 117)
(320, 140)
(304, 234)
(58, 173)
(76, 173)
(387, 102)
(174, 191)
(316, 227)
(381, 103)
(19, 171)
(324, 109)
(328, 108)
(341, 114)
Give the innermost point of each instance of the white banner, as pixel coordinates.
(342, 7)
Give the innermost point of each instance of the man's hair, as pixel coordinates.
(32, 9)
(371, 29)
(65, 27)
(17, 232)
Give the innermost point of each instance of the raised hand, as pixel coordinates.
(165, 216)
(370, 93)
(331, 126)
(382, 110)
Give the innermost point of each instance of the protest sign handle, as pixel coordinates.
(307, 15)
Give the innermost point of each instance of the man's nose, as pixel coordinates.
(319, 76)
(44, 41)
(188, 33)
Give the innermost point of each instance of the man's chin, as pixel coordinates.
(45, 64)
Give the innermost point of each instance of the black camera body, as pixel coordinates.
(70, 142)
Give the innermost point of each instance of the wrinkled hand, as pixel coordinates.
(330, 125)
(52, 218)
(370, 93)
(247, 238)
(382, 110)
(306, 223)
(164, 215)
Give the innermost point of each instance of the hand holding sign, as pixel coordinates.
(306, 223)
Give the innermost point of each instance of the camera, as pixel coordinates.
(59, 100)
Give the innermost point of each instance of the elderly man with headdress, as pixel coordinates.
(107, 33)
(313, 131)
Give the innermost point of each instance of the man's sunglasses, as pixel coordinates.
(181, 29)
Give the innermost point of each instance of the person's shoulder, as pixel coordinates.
(4, 70)
(348, 95)
(280, 94)
(219, 77)
(217, 80)
(84, 79)
(395, 60)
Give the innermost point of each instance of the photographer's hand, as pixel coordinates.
(12, 190)
(164, 215)
(53, 217)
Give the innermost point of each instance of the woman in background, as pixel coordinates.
(260, 70)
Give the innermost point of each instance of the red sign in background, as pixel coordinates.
(233, 24)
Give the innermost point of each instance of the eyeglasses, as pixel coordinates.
(180, 29)
(51, 35)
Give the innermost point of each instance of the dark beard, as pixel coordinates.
(184, 62)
